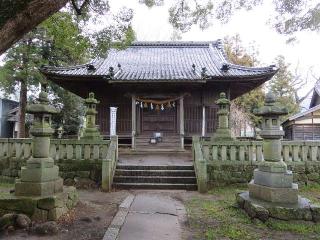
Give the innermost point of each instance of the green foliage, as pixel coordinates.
(71, 111)
(282, 85)
(237, 54)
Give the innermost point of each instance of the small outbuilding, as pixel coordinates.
(9, 111)
(305, 125)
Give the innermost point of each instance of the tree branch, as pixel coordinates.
(25, 20)
(79, 10)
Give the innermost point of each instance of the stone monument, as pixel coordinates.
(91, 131)
(40, 177)
(223, 132)
(272, 181)
(272, 192)
(39, 193)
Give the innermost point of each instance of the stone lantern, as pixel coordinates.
(91, 131)
(223, 132)
(40, 177)
(272, 181)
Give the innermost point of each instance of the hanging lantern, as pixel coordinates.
(162, 108)
(141, 105)
(145, 105)
(151, 106)
(157, 107)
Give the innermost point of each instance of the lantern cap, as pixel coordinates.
(43, 104)
(271, 107)
(223, 99)
(91, 99)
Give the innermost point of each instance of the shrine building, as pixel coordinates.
(160, 87)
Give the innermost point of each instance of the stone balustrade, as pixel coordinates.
(252, 151)
(90, 159)
(234, 161)
(200, 165)
(60, 149)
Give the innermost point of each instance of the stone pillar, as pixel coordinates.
(181, 108)
(223, 132)
(203, 121)
(272, 181)
(133, 121)
(113, 121)
(91, 131)
(40, 177)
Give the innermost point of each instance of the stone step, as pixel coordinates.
(157, 150)
(190, 187)
(148, 172)
(154, 167)
(164, 140)
(155, 179)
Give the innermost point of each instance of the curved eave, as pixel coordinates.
(225, 78)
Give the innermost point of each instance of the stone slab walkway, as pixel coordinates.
(152, 216)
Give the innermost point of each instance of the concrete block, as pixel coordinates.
(274, 167)
(271, 194)
(38, 189)
(39, 174)
(269, 179)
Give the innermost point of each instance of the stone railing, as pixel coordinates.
(252, 151)
(109, 164)
(232, 151)
(60, 149)
(94, 159)
(200, 165)
(234, 161)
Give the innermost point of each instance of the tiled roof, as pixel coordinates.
(164, 61)
(315, 94)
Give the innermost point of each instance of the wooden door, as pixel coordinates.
(164, 121)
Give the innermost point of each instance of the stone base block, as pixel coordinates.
(301, 210)
(272, 194)
(222, 134)
(48, 208)
(40, 162)
(38, 188)
(269, 179)
(39, 174)
(273, 167)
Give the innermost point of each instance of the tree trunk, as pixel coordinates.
(22, 109)
(26, 19)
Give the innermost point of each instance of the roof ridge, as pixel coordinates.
(173, 43)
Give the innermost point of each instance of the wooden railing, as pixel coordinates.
(252, 151)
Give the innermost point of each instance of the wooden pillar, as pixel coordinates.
(133, 120)
(181, 122)
(203, 121)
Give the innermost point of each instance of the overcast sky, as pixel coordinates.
(151, 24)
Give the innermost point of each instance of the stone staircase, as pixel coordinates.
(168, 143)
(155, 177)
